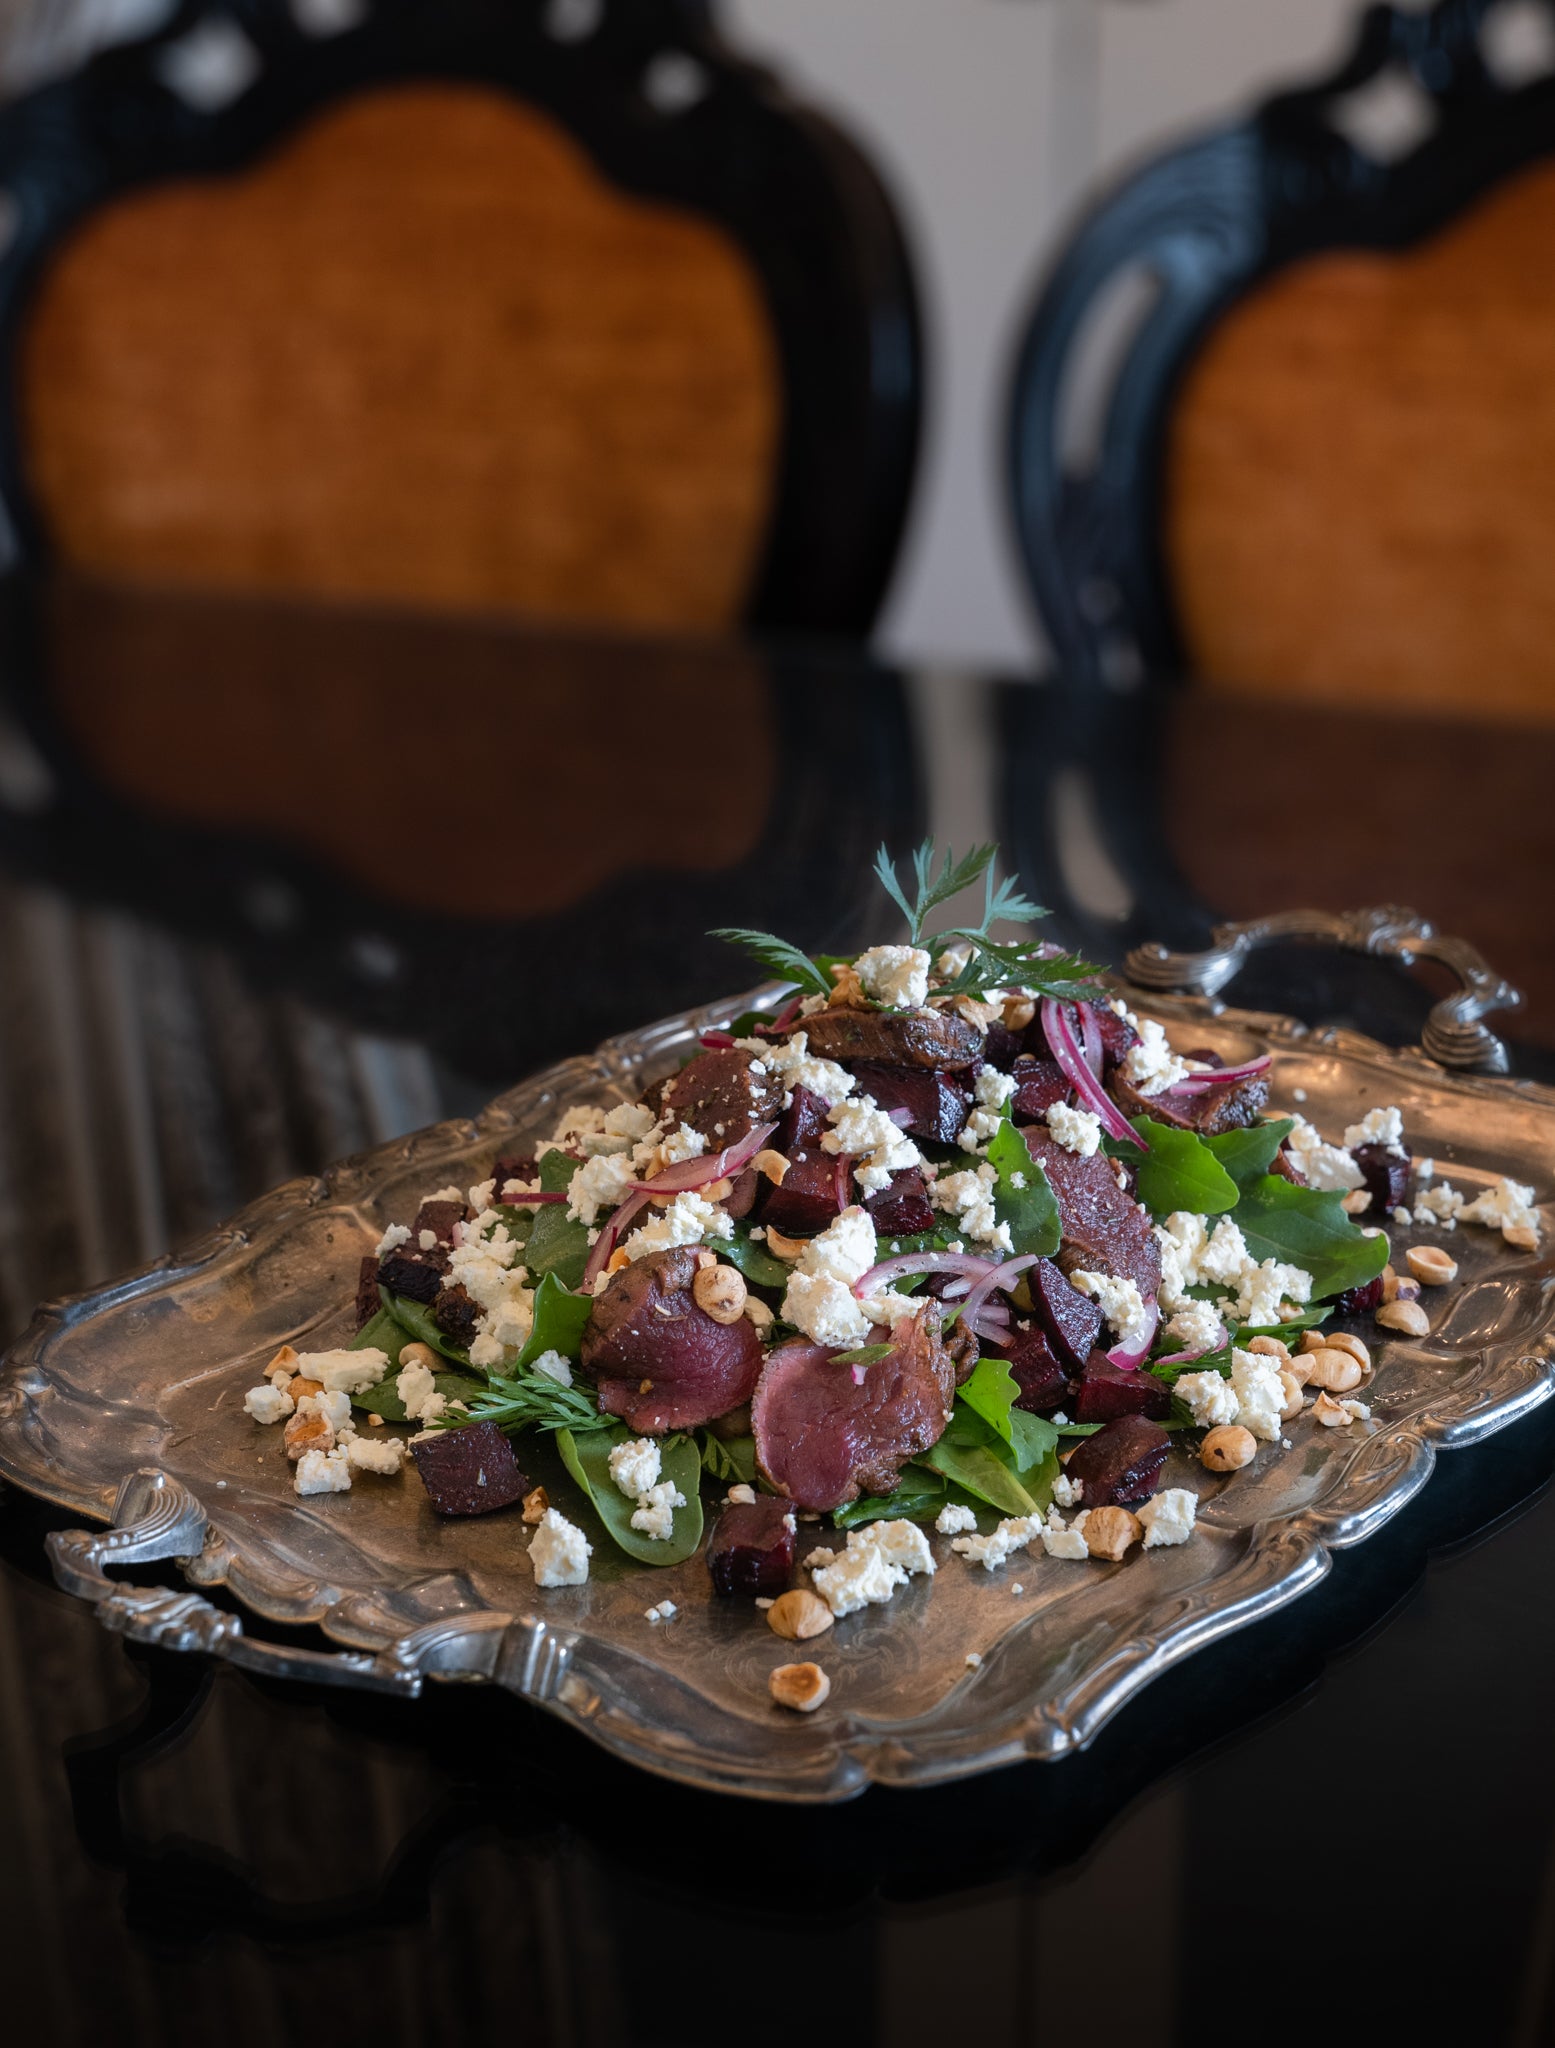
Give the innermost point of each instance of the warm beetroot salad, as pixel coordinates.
(950, 1236)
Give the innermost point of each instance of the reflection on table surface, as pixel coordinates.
(281, 883)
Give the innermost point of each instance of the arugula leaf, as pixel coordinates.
(588, 1461)
(995, 1451)
(559, 1317)
(1178, 1171)
(1247, 1154)
(780, 959)
(758, 1265)
(384, 1399)
(416, 1320)
(920, 1495)
(731, 1459)
(1310, 1229)
(1032, 1438)
(1031, 1211)
(990, 1392)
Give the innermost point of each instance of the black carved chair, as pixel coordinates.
(1281, 427)
(551, 308)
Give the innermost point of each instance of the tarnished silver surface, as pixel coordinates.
(126, 1405)
(1455, 1033)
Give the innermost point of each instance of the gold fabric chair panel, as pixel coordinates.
(1360, 475)
(422, 352)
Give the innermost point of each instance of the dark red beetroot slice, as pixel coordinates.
(1038, 1085)
(1105, 1392)
(646, 1327)
(1387, 1175)
(751, 1550)
(824, 1438)
(718, 1095)
(368, 1302)
(1118, 1036)
(469, 1471)
(894, 1038)
(515, 1166)
(801, 1124)
(1035, 1368)
(936, 1101)
(813, 1193)
(903, 1208)
(416, 1274)
(1105, 1230)
(456, 1315)
(1003, 1047)
(1121, 1464)
(1229, 1108)
(439, 1218)
(1071, 1319)
(1360, 1301)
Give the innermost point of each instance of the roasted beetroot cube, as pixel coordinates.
(1122, 1463)
(1071, 1319)
(456, 1315)
(751, 1550)
(1117, 1036)
(368, 1301)
(809, 1196)
(1387, 1176)
(515, 1166)
(469, 1471)
(439, 1218)
(801, 1125)
(902, 1208)
(1106, 1392)
(1036, 1370)
(1360, 1301)
(1003, 1047)
(1038, 1085)
(416, 1274)
(936, 1101)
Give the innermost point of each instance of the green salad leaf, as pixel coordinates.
(559, 1319)
(994, 1451)
(729, 1458)
(557, 1245)
(920, 1496)
(384, 1399)
(1247, 1154)
(1022, 1197)
(587, 1458)
(760, 1267)
(990, 1392)
(1307, 1228)
(1178, 1171)
(381, 1333)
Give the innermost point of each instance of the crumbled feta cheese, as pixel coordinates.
(554, 1367)
(383, 1454)
(846, 1249)
(600, 1183)
(880, 1146)
(1507, 1206)
(895, 976)
(820, 1298)
(687, 1220)
(968, 1196)
(686, 1142)
(418, 1392)
(1442, 1204)
(1122, 1305)
(485, 1264)
(1356, 1410)
(634, 1466)
(1151, 1067)
(1077, 1130)
(665, 1611)
(1378, 1127)
(1068, 1492)
(323, 1472)
(789, 1060)
(1402, 1217)
(901, 1542)
(1168, 1517)
(480, 1195)
(1321, 1165)
(335, 1407)
(448, 1194)
(655, 1510)
(955, 1520)
(1196, 1326)
(1059, 1541)
(1259, 1394)
(1011, 1535)
(427, 1240)
(560, 1552)
(973, 1661)
(878, 1558)
(391, 1240)
(1261, 1290)
(345, 1372)
(1209, 1398)
(268, 1403)
(818, 1557)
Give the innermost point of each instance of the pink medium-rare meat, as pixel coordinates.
(719, 1094)
(1105, 1229)
(824, 1437)
(657, 1359)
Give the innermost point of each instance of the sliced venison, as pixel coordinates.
(1228, 1108)
(720, 1095)
(824, 1438)
(657, 1359)
(894, 1038)
(1121, 1464)
(1105, 1229)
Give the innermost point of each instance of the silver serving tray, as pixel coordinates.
(125, 1405)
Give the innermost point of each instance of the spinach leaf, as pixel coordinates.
(380, 1333)
(556, 1244)
(1309, 1229)
(588, 1460)
(982, 1472)
(1178, 1171)
(1022, 1197)
(920, 1495)
(758, 1265)
(731, 1459)
(1032, 1438)
(384, 1399)
(991, 1392)
(416, 1320)
(559, 1317)
(1248, 1154)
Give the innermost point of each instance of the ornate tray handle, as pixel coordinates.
(1455, 1034)
(154, 1517)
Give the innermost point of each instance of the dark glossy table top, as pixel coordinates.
(273, 885)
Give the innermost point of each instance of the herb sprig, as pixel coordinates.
(531, 1400)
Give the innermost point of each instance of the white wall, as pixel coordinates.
(992, 120)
